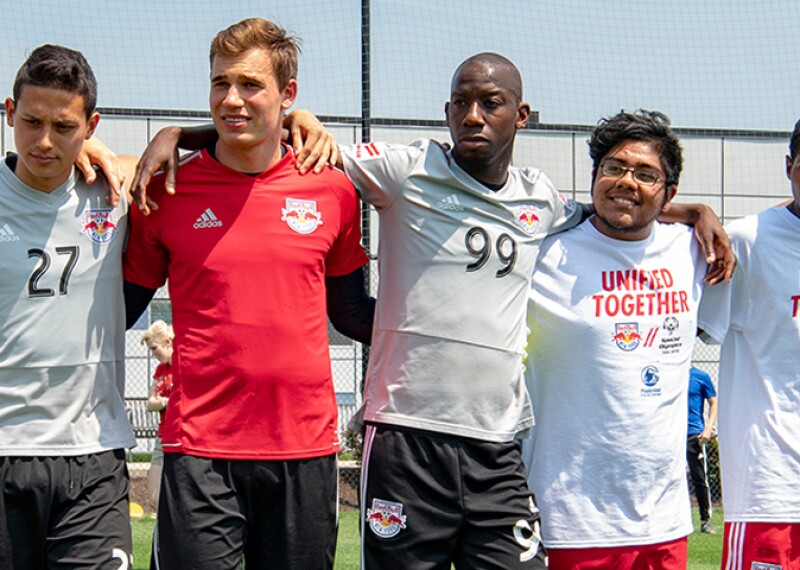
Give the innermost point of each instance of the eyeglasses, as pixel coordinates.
(643, 177)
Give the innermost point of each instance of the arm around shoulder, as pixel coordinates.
(709, 233)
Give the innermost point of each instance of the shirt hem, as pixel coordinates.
(66, 450)
(780, 518)
(250, 456)
(450, 429)
(605, 542)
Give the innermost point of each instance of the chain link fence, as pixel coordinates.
(706, 357)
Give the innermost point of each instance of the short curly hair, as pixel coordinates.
(647, 126)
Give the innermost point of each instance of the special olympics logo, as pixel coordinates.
(650, 375)
(671, 324)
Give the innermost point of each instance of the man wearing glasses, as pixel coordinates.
(612, 316)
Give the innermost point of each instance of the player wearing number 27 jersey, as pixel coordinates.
(455, 265)
(61, 393)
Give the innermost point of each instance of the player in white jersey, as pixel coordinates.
(756, 318)
(63, 426)
(612, 317)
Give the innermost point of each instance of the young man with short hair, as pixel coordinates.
(251, 250)
(444, 385)
(756, 318)
(63, 426)
(444, 398)
(612, 315)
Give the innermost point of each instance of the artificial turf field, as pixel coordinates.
(705, 550)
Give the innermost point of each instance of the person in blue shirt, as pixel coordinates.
(699, 433)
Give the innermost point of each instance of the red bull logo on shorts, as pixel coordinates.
(386, 518)
(99, 225)
(626, 336)
(527, 218)
(301, 215)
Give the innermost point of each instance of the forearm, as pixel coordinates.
(196, 138)
(350, 308)
(681, 214)
(136, 300)
(713, 409)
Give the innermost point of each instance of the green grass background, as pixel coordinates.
(705, 551)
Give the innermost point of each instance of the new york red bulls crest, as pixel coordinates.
(301, 215)
(386, 518)
(527, 218)
(627, 336)
(99, 225)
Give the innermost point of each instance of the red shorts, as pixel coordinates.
(761, 546)
(662, 556)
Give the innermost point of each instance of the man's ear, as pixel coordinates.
(94, 119)
(10, 111)
(671, 191)
(523, 114)
(289, 94)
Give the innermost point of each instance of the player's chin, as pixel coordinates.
(475, 153)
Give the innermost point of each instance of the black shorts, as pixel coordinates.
(65, 512)
(429, 500)
(275, 514)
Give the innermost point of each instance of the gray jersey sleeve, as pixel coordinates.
(378, 170)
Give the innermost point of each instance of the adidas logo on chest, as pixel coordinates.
(207, 220)
(450, 203)
(7, 234)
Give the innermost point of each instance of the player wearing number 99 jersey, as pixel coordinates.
(455, 264)
(442, 478)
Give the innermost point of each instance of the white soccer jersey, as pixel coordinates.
(756, 317)
(62, 349)
(612, 325)
(455, 261)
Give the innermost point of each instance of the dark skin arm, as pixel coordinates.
(707, 230)
(136, 300)
(712, 237)
(350, 308)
